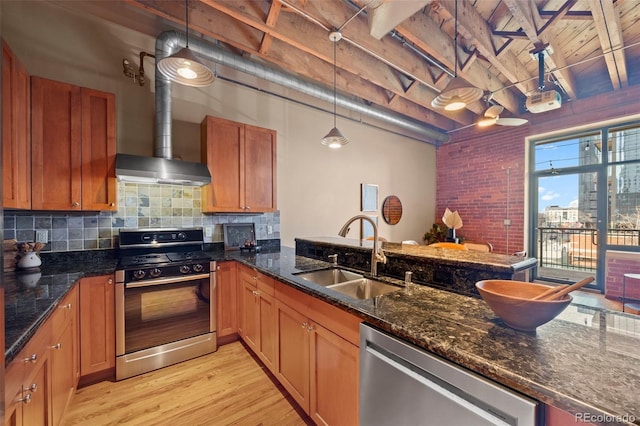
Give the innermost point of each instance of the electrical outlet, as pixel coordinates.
(507, 222)
(208, 231)
(42, 236)
(269, 229)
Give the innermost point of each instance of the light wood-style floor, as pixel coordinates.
(228, 387)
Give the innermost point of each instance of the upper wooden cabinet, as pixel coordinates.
(242, 162)
(16, 132)
(73, 147)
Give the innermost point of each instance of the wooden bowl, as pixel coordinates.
(511, 301)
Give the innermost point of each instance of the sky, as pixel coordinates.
(556, 189)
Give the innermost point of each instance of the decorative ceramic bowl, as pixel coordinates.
(511, 301)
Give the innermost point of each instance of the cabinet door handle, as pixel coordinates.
(75, 204)
(247, 208)
(25, 399)
(67, 306)
(110, 281)
(112, 204)
(32, 388)
(311, 327)
(305, 325)
(32, 359)
(57, 346)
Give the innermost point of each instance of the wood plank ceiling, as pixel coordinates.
(399, 54)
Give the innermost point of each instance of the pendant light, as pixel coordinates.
(458, 93)
(334, 139)
(183, 67)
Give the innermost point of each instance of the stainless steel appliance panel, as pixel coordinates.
(402, 384)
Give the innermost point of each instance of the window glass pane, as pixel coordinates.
(559, 154)
(624, 204)
(624, 144)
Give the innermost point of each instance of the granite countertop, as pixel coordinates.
(468, 258)
(30, 298)
(584, 361)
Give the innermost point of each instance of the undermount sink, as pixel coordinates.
(364, 288)
(328, 277)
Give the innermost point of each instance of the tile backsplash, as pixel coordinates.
(140, 206)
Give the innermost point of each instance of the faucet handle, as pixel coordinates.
(380, 256)
(334, 259)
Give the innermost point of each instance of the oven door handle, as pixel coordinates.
(171, 280)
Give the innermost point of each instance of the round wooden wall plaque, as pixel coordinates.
(392, 209)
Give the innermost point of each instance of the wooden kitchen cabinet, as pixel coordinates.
(16, 132)
(226, 301)
(242, 163)
(257, 314)
(318, 356)
(27, 382)
(64, 355)
(73, 147)
(97, 328)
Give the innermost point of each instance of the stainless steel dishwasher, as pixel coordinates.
(401, 384)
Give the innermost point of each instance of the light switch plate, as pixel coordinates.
(42, 236)
(269, 229)
(208, 231)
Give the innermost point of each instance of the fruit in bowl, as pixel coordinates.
(512, 301)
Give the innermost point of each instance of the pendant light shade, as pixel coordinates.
(334, 139)
(183, 67)
(458, 93)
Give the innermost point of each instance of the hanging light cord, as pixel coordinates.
(186, 12)
(335, 97)
(455, 42)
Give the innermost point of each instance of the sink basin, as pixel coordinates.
(328, 277)
(364, 288)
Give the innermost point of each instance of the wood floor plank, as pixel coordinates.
(228, 387)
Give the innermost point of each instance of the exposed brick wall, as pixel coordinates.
(472, 167)
(618, 263)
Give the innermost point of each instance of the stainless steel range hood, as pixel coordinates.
(139, 169)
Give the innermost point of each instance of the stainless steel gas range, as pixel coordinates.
(165, 299)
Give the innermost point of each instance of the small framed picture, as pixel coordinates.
(235, 234)
(368, 197)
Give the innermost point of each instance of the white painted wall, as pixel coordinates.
(318, 189)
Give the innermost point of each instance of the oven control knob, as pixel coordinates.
(182, 236)
(198, 267)
(155, 272)
(184, 269)
(139, 274)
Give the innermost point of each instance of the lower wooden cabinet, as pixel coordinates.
(317, 367)
(309, 345)
(257, 314)
(226, 299)
(97, 326)
(42, 378)
(64, 355)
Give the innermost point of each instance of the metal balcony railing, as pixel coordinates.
(577, 248)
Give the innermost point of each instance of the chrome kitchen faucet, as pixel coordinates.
(375, 256)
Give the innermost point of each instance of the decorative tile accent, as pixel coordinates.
(140, 206)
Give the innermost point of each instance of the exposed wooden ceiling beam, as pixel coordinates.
(526, 13)
(478, 32)
(272, 19)
(607, 21)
